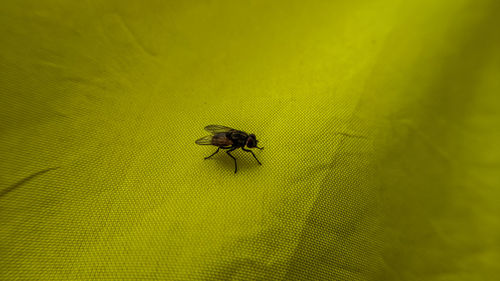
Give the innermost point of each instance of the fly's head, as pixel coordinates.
(252, 142)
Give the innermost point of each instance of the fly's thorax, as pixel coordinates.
(238, 138)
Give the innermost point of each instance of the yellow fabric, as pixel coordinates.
(101, 102)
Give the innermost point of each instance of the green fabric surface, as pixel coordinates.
(101, 102)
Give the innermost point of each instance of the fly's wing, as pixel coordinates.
(215, 129)
(206, 140)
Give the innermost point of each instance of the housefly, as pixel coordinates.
(229, 139)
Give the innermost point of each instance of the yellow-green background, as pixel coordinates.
(101, 101)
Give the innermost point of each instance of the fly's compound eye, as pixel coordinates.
(251, 142)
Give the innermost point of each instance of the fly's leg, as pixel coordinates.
(248, 150)
(213, 153)
(235, 165)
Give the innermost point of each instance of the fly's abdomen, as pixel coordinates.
(221, 140)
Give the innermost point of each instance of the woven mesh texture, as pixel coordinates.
(101, 102)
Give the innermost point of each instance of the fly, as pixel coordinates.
(230, 139)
